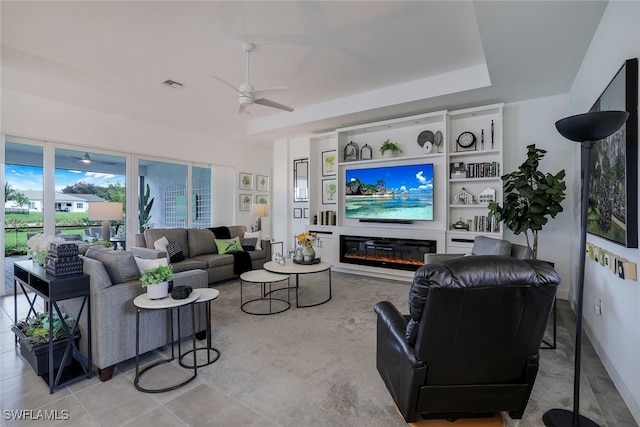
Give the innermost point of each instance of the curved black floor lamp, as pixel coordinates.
(587, 129)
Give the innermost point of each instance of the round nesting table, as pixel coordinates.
(204, 295)
(142, 302)
(265, 278)
(291, 267)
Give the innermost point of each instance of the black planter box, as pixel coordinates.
(38, 356)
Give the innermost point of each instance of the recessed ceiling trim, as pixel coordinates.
(444, 84)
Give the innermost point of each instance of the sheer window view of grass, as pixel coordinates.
(18, 226)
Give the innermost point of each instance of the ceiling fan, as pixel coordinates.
(247, 95)
(87, 159)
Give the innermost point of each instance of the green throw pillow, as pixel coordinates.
(228, 245)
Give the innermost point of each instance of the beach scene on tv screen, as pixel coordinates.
(390, 192)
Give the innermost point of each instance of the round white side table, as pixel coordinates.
(205, 295)
(142, 302)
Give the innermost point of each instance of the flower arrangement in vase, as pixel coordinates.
(306, 241)
(39, 246)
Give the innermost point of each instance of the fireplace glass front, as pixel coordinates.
(387, 252)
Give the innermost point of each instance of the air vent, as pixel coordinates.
(173, 84)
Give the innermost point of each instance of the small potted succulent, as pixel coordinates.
(391, 147)
(156, 280)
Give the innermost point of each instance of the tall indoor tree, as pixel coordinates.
(530, 198)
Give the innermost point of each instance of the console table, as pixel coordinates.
(32, 277)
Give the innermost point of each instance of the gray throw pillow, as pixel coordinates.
(120, 265)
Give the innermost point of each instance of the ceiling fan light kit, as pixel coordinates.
(247, 95)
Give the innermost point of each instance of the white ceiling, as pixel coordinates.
(345, 62)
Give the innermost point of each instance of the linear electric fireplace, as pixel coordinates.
(387, 252)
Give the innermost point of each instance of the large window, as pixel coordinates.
(49, 188)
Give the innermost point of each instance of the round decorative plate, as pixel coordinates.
(425, 135)
(437, 141)
(427, 147)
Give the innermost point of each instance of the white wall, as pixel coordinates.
(533, 122)
(614, 333)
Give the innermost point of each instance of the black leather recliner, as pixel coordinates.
(470, 344)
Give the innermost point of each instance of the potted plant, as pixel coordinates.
(392, 147)
(33, 337)
(530, 197)
(156, 280)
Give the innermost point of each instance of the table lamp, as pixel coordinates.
(587, 129)
(105, 212)
(259, 211)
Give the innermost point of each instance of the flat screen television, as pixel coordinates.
(390, 193)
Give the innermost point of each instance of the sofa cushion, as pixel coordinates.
(120, 265)
(215, 260)
(249, 244)
(201, 242)
(146, 263)
(483, 245)
(226, 246)
(172, 234)
(255, 235)
(161, 244)
(174, 252)
(189, 264)
(237, 230)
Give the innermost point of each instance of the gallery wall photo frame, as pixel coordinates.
(245, 181)
(306, 213)
(329, 162)
(297, 212)
(262, 199)
(329, 191)
(262, 183)
(614, 176)
(245, 201)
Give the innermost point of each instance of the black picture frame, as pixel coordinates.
(297, 212)
(613, 197)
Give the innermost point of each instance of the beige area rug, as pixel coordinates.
(317, 366)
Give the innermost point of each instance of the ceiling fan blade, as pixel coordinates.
(270, 91)
(273, 104)
(226, 83)
(243, 108)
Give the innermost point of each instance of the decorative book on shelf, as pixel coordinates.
(326, 218)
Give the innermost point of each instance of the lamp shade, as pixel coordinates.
(260, 210)
(591, 126)
(105, 211)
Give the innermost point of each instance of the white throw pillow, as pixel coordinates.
(145, 263)
(257, 235)
(161, 244)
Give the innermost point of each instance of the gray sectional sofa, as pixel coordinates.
(199, 250)
(114, 283)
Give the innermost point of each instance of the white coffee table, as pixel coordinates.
(142, 302)
(265, 278)
(297, 269)
(204, 295)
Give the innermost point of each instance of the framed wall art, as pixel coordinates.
(262, 199)
(245, 202)
(262, 183)
(297, 212)
(329, 191)
(613, 197)
(246, 181)
(329, 162)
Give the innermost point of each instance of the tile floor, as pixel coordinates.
(117, 403)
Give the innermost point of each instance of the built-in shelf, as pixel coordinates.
(388, 159)
(491, 178)
(474, 153)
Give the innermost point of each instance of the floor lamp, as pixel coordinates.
(586, 129)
